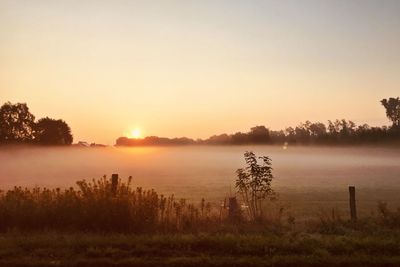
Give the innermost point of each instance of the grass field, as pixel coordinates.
(267, 249)
(104, 223)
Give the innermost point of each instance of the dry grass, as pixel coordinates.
(95, 206)
(95, 225)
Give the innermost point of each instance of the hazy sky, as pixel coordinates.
(196, 68)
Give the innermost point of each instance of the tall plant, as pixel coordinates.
(254, 183)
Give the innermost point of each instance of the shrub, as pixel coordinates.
(254, 183)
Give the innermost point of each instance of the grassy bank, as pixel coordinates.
(268, 249)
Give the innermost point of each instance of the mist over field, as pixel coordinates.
(200, 133)
(205, 170)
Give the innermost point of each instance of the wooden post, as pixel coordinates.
(114, 183)
(353, 211)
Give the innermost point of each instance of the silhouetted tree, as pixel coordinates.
(259, 135)
(254, 183)
(16, 123)
(222, 139)
(290, 135)
(52, 132)
(239, 138)
(277, 136)
(154, 141)
(332, 128)
(335, 132)
(302, 132)
(392, 106)
(317, 129)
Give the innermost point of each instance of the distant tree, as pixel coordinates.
(290, 135)
(392, 106)
(277, 136)
(345, 130)
(122, 141)
(16, 123)
(302, 132)
(239, 138)
(332, 128)
(254, 183)
(222, 139)
(259, 135)
(52, 132)
(317, 129)
(155, 141)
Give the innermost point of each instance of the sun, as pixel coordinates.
(135, 133)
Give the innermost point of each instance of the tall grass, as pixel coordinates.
(94, 206)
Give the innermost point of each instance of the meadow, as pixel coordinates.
(309, 180)
(185, 222)
(101, 223)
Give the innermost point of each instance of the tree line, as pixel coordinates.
(334, 132)
(18, 126)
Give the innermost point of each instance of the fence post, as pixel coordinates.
(114, 183)
(353, 211)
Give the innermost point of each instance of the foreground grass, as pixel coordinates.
(105, 223)
(268, 249)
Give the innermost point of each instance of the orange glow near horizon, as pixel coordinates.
(135, 133)
(198, 68)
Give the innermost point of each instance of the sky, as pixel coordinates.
(198, 68)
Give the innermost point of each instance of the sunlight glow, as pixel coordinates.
(135, 133)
